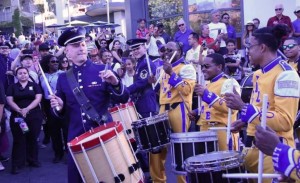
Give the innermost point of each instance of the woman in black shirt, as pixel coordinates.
(24, 97)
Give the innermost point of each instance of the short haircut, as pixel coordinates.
(19, 68)
(230, 41)
(214, 11)
(271, 36)
(140, 20)
(296, 40)
(224, 15)
(217, 59)
(256, 20)
(195, 35)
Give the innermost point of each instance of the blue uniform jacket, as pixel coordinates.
(97, 91)
(141, 91)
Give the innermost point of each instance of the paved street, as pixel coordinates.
(49, 172)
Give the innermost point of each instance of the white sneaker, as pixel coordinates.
(1, 167)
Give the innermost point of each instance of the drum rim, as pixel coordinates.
(203, 166)
(193, 134)
(75, 146)
(121, 106)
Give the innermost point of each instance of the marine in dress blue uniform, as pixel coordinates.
(97, 91)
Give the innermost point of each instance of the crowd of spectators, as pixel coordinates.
(27, 94)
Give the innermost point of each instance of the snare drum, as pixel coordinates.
(185, 145)
(104, 155)
(247, 87)
(126, 113)
(152, 133)
(209, 167)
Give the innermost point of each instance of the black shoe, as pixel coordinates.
(15, 170)
(34, 164)
(3, 159)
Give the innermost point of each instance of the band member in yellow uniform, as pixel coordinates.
(214, 112)
(291, 50)
(178, 79)
(280, 82)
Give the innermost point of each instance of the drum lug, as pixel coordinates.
(120, 178)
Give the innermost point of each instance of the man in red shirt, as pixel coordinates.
(279, 18)
(208, 41)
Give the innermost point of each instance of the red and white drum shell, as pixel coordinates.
(102, 154)
(126, 113)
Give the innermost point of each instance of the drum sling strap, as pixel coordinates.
(83, 101)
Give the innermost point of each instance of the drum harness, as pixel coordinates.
(83, 101)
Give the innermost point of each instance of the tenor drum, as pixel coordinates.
(126, 113)
(247, 87)
(185, 145)
(208, 168)
(152, 133)
(104, 155)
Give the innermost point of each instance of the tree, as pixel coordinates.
(16, 21)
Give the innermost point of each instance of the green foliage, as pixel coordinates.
(26, 21)
(16, 21)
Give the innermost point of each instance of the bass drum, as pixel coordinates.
(247, 87)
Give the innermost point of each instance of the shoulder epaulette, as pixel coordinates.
(285, 66)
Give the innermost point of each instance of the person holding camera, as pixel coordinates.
(26, 118)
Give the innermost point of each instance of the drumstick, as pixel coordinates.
(229, 116)
(47, 84)
(106, 67)
(185, 104)
(263, 124)
(250, 175)
(162, 72)
(199, 82)
(149, 68)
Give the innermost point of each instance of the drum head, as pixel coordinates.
(157, 118)
(215, 161)
(194, 136)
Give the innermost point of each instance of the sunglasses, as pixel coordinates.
(206, 66)
(103, 43)
(289, 46)
(278, 9)
(180, 25)
(54, 61)
(64, 62)
(169, 50)
(93, 55)
(297, 11)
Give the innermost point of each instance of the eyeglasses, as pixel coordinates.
(106, 56)
(251, 46)
(206, 66)
(226, 17)
(180, 25)
(103, 43)
(93, 55)
(64, 62)
(278, 9)
(289, 46)
(54, 61)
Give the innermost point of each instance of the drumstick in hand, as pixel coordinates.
(162, 72)
(229, 117)
(47, 83)
(263, 124)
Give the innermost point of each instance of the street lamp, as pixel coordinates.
(107, 9)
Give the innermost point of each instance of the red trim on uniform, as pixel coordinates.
(75, 144)
(121, 106)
